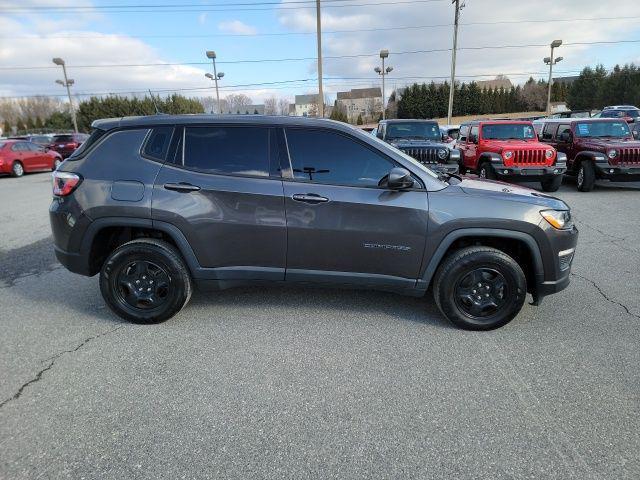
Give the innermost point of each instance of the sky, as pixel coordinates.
(101, 41)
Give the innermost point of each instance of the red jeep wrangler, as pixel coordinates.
(510, 150)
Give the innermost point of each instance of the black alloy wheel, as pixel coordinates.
(142, 284)
(481, 292)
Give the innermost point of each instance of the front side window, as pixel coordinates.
(413, 131)
(464, 131)
(227, 150)
(603, 129)
(327, 157)
(547, 133)
(508, 131)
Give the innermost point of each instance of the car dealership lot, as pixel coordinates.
(319, 383)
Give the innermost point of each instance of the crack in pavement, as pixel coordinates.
(52, 361)
(595, 229)
(605, 296)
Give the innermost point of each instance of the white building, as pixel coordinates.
(306, 105)
(366, 102)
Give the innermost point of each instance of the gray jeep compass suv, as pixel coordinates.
(159, 204)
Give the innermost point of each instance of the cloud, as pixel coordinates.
(237, 27)
(517, 63)
(202, 18)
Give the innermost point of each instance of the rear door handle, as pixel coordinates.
(309, 198)
(181, 187)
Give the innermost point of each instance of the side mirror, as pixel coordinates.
(397, 179)
(565, 137)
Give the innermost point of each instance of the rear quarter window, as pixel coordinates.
(81, 151)
(157, 144)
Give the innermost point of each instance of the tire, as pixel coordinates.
(586, 178)
(17, 170)
(486, 171)
(551, 184)
(56, 164)
(485, 307)
(145, 281)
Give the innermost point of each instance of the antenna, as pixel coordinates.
(154, 103)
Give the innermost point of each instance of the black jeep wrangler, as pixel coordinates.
(422, 140)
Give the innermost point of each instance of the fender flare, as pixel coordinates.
(171, 230)
(491, 157)
(447, 241)
(595, 157)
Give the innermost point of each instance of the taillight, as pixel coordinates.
(64, 183)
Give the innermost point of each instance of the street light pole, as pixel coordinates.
(319, 41)
(67, 83)
(384, 72)
(551, 62)
(453, 59)
(218, 76)
(212, 55)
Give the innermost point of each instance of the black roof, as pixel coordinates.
(151, 120)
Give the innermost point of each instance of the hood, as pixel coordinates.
(510, 192)
(602, 144)
(499, 145)
(409, 143)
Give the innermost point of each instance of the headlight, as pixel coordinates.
(612, 154)
(548, 154)
(560, 219)
(507, 155)
(442, 154)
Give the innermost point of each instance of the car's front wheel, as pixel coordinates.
(551, 184)
(586, 176)
(480, 288)
(486, 171)
(145, 281)
(17, 170)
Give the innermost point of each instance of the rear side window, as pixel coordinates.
(157, 144)
(237, 150)
(63, 138)
(96, 135)
(331, 158)
(549, 130)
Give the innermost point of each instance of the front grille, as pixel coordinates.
(423, 155)
(629, 156)
(529, 157)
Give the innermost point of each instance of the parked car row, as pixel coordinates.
(37, 153)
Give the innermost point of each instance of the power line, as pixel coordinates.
(270, 85)
(153, 9)
(334, 57)
(325, 32)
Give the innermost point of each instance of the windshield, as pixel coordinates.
(603, 129)
(508, 131)
(414, 130)
(413, 161)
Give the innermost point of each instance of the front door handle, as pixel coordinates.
(181, 187)
(309, 198)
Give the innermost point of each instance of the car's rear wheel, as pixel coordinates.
(480, 288)
(551, 184)
(486, 171)
(17, 170)
(145, 281)
(56, 163)
(586, 176)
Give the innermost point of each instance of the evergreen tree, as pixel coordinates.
(6, 128)
(359, 120)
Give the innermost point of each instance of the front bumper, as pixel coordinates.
(529, 173)
(560, 251)
(617, 173)
(450, 168)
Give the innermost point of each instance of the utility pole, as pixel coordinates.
(384, 72)
(551, 62)
(67, 83)
(319, 37)
(453, 58)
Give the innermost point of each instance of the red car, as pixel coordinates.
(66, 144)
(18, 157)
(510, 150)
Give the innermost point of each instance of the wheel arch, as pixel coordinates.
(106, 234)
(519, 245)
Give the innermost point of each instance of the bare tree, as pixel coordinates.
(236, 102)
(283, 106)
(210, 105)
(271, 106)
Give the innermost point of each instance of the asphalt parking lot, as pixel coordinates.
(297, 383)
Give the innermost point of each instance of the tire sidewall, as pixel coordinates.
(20, 173)
(513, 275)
(179, 290)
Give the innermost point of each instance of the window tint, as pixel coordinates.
(158, 143)
(328, 157)
(33, 147)
(547, 133)
(563, 129)
(236, 150)
(63, 138)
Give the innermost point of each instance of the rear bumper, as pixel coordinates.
(74, 262)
